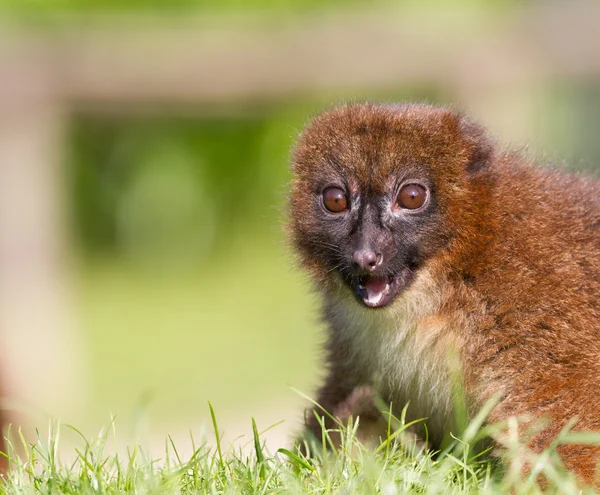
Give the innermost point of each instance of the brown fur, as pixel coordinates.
(510, 274)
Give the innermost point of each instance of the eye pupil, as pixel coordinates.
(335, 200)
(411, 196)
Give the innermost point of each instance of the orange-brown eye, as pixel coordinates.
(411, 196)
(335, 199)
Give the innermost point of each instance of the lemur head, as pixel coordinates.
(379, 190)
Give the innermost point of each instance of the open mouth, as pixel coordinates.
(377, 291)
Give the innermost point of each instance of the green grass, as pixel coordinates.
(397, 465)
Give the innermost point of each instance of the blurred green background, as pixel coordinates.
(187, 287)
(184, 289)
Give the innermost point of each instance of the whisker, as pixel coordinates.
(331, 247)
(339, 265)
(323, 243)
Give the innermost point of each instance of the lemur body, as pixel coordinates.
(429, 244)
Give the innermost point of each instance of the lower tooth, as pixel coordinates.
(376, 299)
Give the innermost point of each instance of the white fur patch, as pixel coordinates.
(407, 349)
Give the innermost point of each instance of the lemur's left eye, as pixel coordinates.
(411, 196)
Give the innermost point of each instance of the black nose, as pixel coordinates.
(366, 259)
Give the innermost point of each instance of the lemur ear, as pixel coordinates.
(477, 146)
(481, 147)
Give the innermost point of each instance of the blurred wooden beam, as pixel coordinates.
(112, 64)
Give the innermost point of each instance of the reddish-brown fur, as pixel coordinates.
(514, 264)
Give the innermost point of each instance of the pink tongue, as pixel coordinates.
(375, 288)
(376, 284)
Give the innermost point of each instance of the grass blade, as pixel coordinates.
(216, 428)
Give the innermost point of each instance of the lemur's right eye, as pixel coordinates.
(335, 199)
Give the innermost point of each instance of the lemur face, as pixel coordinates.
(377, 234)
(373, 187)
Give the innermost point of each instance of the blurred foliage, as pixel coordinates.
(39, 9)
(161, 183)
(206, 194)
(171, 5)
